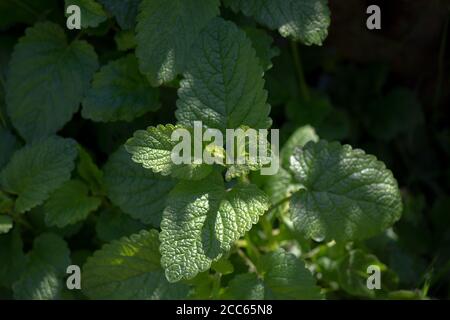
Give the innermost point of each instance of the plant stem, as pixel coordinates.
(279, 203)
(251, 265)
(304, 90)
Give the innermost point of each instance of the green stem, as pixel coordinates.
(304, 89)
(279, 203)
(247, 260)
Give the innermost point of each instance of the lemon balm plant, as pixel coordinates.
(87, 176)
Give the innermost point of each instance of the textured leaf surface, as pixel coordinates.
(245, 287)
(282, 185)
(39, 282)
(47, 263)
(286, 277)
(223, 85)
(69, 204)
(89, 172)
(152, 148)
(38, 169)
(201, 222)
(13, 260)
(166, 30)
(92, 13)
(129, 269)
(302, 20)
(8, 144)
(47, 69)
(299, 138)
(283, 276)
(124, 11)
(137, 191)
(262, 43)
(243, 150)
(119, 92)
(347, 194)
(352, 272)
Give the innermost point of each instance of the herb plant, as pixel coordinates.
(87, 178)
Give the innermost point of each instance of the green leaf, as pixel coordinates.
(346, 193)
(112, 224)
(286, 277)
(51, 250)
(166, 30)
(201, 222)
(8, 144)
(124, 11)
(283, 276)
(280, 186)
(223, 84)
(37, 170)
(36, 217)
(223, 266)
(406, 295)
(38, 282)
(302, 20)
(119, 92)
(262, 43)
(299, 138)
(245, 287)
(137, 191)
(352, 272)
(152, 148)
(13, 260)
(69, 204)
(92, 13)
(89, 172)
(125, 40)
(47, 69)
(129, 269)
(6, 224)
(243, 149)
(46, 267)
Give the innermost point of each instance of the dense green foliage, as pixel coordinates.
(87, 178)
